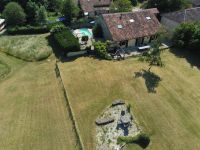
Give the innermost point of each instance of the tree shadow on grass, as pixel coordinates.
(60, 55)
(151, 80)
(191, 56)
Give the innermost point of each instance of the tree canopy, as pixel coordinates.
(187, 35)
(168, 5)
(153, 57)
(121, 6)
(14, 14)
(70, 10)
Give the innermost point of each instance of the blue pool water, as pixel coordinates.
(85, 32)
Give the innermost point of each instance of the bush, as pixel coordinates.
(14, 14)
(101, 50)
(141, 139)
(51, 25)
(187, 35)
(57, 28)
(28, 30)
(97, 31)
(66, 40)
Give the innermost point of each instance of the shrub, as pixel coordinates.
(187, 35)
(141, 139)
(14, 14)
(51, 25)
(101, 50)
(66, 40)
(27, 30)
(57, 28)
(97, 31)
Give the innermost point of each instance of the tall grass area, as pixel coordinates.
(170, 116)
(26, 47)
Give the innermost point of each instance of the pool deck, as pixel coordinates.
(79, 34)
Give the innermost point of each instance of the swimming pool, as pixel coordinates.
(86, 32)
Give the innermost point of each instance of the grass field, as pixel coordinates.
(26, 47)
(32, 108)
(170, 116)
(4, 69)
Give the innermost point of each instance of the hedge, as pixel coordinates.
(28, 30)
(66, 40)
(141, 139)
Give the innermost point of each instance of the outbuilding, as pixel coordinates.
(173, 19)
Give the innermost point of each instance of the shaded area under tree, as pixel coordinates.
(151, 80)
(191, 56)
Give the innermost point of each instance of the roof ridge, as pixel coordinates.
(130, 12)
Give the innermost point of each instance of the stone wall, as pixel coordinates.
(170, 25)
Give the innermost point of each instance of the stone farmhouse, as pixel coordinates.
(130, 29)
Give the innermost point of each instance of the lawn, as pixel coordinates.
(33, 110)
(170, 114)
(26, 47)
(4, 69)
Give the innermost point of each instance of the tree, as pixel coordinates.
(31, 11)
(134, 2)
(121, 6)
(168, 5)
(153, 57)
(187, 35)
(55, 5)
(41, 16)
(14, 14)
(70, 10)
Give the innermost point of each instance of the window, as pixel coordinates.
(148, 18)
(119, 26)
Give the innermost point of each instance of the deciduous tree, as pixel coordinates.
(14, 14)
(121, 6)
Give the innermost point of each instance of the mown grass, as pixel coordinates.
(4, 69)
(170, 114)
(26, 47)
(33, 111)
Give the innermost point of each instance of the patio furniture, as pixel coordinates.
(143, 48)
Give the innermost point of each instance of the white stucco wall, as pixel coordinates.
(131, 42)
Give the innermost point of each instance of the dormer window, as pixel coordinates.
(119, 26)
(148, 18)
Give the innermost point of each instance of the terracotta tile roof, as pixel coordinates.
(131, 25)
(89, 5)
(187, 15)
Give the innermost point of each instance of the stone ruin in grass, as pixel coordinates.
(116, 120)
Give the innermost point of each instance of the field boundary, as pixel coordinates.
(69, 108)
(8, 70)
